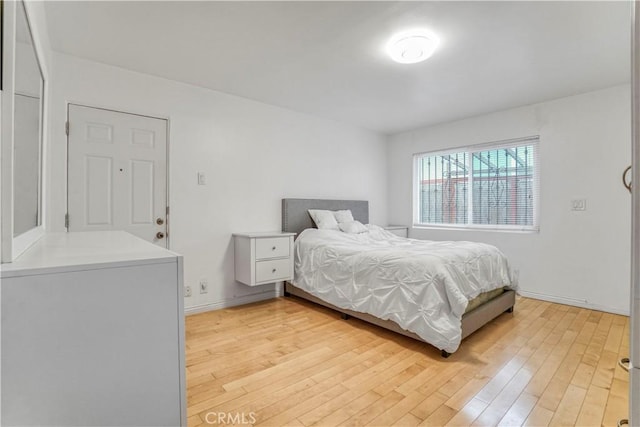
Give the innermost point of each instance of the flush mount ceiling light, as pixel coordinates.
(412, 46)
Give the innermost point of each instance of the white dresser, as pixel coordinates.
(262, 258)
(93, 333)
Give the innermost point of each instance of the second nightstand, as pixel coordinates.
(262, 258)
(398, 230)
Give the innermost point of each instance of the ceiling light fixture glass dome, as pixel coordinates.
(413, 46)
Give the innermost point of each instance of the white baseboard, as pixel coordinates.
(573, 301)
(274, 293)
(245, 299)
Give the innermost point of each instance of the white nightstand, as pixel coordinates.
(262, 258)
(398, 230)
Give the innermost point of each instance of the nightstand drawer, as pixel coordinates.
(272, 247)
(273, 270)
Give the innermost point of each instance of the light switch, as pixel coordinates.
(579, 204)
(202, 178)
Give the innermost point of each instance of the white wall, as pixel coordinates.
(253, 155)
(26, 162)
(578, 258)
(27, 80)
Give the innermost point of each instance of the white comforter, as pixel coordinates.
(424, 286)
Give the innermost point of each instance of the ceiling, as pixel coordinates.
(328, 58)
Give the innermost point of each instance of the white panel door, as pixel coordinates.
(634, 384)
(634, 406)
(117, 177)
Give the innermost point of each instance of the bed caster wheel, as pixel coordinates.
(445, 354)
(509, 310)
(344, 316)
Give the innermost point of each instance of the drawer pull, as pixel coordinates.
(624, 363)
(273, 248)
(273, 271)
(623, 422)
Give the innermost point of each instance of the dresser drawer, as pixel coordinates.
(273, 270)
(272, 247)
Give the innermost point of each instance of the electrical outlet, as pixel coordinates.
(204, 286)
(187, 291)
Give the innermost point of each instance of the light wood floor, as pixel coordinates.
(288, 362)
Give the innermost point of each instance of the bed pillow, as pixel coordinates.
(343, 216)
(353, 227)
(325, 220)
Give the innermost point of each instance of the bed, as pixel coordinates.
(442, 313)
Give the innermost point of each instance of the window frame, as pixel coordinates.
(533, 140)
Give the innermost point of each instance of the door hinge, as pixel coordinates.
(167, 210)
(66, 128)
(66, 220)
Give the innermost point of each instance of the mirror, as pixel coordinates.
(28, 112)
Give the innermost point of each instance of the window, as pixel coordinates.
(489, 186)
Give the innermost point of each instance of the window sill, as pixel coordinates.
(534, 230)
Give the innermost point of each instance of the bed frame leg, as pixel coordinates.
(445, 354)
(509, 310)
(344, 316)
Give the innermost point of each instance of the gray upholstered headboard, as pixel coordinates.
(295, 215)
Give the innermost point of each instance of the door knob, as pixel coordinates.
(159, 221)
(159, 235)
(625, 182)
